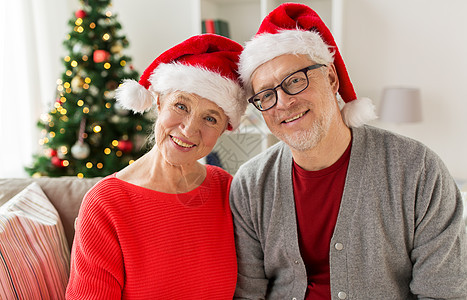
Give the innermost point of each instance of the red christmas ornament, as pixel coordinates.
(52, 152)
(57, 161)
(125, 146)
(80, 14)
(101, 56)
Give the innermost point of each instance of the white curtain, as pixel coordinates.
(31, 33)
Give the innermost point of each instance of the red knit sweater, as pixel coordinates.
(136, 243)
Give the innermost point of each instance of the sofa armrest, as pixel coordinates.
(65, 193)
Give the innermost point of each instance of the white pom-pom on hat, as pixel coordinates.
(133, 96)
(357, 112)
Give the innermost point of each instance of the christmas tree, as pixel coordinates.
(86, 133)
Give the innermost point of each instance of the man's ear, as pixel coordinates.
(333, 78)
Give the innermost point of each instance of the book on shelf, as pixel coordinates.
(216, 26)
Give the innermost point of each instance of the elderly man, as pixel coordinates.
(338, 209)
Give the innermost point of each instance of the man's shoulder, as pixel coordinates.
(378, 137)
(376, 142)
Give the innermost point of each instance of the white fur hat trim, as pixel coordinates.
(173, 77)
(223, 91)
(264, 47)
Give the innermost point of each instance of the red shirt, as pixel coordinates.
(317, 200)
(136, 243)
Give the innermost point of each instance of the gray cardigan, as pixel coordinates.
(399, 232)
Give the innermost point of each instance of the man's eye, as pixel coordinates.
(295, 80)
(267, 96)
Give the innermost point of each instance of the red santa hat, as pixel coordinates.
(294, 28)
(204, 64)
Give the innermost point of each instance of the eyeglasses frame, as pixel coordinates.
(274, 89)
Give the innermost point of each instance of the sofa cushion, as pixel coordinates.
(65, 193)
(34, 254)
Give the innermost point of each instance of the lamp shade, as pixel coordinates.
(401, 105)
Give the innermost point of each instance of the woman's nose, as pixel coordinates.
(190, 126)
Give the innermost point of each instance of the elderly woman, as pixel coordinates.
(161, 228)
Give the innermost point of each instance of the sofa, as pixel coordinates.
(37, 217)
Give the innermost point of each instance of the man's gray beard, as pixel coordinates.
(307, 139)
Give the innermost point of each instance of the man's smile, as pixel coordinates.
(295, 117)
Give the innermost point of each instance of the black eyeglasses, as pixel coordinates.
(292, 85)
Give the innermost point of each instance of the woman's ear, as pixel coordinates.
(158, 101)
(333, 78)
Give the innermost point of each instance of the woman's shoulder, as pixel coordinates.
(218, 173)
(105, 183)
(108, 189)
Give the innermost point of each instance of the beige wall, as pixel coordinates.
(421, 43)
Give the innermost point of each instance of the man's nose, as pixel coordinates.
(284, 100)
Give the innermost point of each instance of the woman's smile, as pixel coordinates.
(182, 143)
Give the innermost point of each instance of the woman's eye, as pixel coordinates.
(181, 106)
(211, 120)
